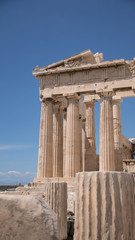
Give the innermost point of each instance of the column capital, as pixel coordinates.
(57, 104)
(46, 99)
(89, 102)
(105, 94)
(89, 99)
(73, 96)
(61, 100)
(117, 99)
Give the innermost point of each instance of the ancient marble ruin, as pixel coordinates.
(26, 217)
(102, 196)
(71, 176)
(68, 91)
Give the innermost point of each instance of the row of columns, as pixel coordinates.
(60, 151)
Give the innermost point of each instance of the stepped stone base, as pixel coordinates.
(38, 189)
(104, 207)
(70, 181)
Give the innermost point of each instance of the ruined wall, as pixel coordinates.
(126, 148)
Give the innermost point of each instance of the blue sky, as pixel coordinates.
(42, 32)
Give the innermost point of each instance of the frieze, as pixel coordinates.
(91, 76)
(56, 81)
(132, 67)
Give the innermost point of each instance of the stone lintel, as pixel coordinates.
(119, 94)
(119, 80)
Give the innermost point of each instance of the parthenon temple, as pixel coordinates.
(71, 176)
(68, 92)
(77, 193)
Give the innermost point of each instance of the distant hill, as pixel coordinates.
(8, 187)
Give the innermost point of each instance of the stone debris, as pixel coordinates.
(26, 217)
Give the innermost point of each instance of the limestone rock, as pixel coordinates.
(104, 206)
(26, 217)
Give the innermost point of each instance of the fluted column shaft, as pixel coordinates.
(90, 123)
(83, 145)
(117, 133)
(117, 123)
(72, 165)
(56, 197)
(106, 157)
(64, 139)
(90, 144)
(104, 206)
(57, 140)
(45, 140)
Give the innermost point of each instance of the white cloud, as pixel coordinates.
(16, 177)
(12, 147)
(14, 172)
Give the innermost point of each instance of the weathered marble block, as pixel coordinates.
(104, 206)
(26, 217)
(56, 197)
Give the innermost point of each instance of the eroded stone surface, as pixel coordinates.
(56, 197)
(26, 217)
(104, 206)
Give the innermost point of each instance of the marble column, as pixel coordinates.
(80, 124)
(90, 145)
(56, 197)
(83, 145)
(106, 157)
(45, 140)
(104, 206)
(72, 164)
(64, 138)
(117, 133)
(57, 140)
(90, 123)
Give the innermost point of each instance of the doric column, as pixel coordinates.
(117, 123)
(117, 133)
(104, 206)
(57, 140)
(64, 138)
(56, 197)
(45, 140)
(106, 157)
(80, 126)
(82, 117)
(90, 145)
(83, 145)
(72, 164)
(90, 123)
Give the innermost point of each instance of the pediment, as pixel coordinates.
(80, 59)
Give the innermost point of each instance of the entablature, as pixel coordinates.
(88, 77)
